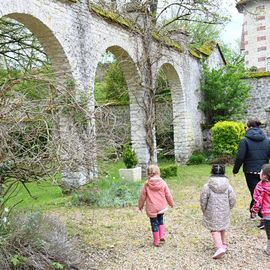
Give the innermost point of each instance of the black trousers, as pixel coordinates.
(267, 228)
(252, 180)
(156, 221)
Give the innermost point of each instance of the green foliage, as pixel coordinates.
(114, 87)
(231, 54)
(168, 171)
(109, 192)
(226, 136)
(200, 32)
(89, 196)
(17, 260)
(224, 93)
(129, 156)
(57, 265)
(197, 158)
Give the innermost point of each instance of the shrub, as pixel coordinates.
(113, 193)
(168, 171)
(35, 241)
(226, 136)
(197, 158)
(129, 156)
(86, 197)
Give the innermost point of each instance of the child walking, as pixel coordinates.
(217, 198)
(261, 198)
(156, 194)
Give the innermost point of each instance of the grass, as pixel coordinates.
(45, 195)
(110, 236)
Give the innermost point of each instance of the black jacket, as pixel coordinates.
(253, 151)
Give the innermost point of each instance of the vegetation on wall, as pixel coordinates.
(224, 93)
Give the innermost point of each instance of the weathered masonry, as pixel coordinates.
(75, 37)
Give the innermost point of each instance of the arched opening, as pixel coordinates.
(119, 116)
(164, 118)
(34, 70)
(177, 120)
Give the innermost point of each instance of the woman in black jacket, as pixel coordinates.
(253, 152)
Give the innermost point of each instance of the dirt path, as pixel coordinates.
(121, 238)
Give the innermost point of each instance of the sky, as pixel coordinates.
(232, 31)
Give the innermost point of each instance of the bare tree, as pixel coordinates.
(19, 48)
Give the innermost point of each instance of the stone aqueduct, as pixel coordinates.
(75, 39)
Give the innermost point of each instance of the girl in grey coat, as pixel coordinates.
(217, 198)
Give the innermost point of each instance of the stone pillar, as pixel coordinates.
(267, 129)
(136, 106)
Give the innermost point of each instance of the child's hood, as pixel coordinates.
(155, 183)
(218, 184)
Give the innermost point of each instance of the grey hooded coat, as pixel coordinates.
(217, 198)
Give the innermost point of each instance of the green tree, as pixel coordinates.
(115, 87)
(224, 93)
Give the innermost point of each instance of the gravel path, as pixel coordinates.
(121, 238)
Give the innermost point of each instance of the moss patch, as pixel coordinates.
(259, 74)
(126, 23)
(205, 50)
(195, 53)
(111, 16)
(167, 41)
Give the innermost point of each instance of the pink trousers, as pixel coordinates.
(218, 238)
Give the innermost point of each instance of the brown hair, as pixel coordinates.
(253, 123)
(153, 170)
(266, 172)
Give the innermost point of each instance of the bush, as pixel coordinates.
(168, 171)
(35, 241)
(108, 193)
(197, 158)
(129, 156)
(226, 136)
(224, 93)
(86, 197)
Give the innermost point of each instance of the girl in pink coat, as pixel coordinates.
(261, 198)
(156, 194)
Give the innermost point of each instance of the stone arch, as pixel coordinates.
(181, 124)
(63, 72)
(48, 40)
(132, 77)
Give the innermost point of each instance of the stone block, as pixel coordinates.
(134, 174)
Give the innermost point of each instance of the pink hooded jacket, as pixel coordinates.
(157, 196)
(261, 197)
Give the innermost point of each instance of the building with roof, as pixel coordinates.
(255, 41)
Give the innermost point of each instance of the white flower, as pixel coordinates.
(4, 219)
(6, 209)
(113, 178)
(107, 176)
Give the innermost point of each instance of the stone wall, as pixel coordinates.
(113, 124)
(75, 37)
(259, 98)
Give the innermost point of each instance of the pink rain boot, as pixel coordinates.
(161, 229)
(156, 239)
